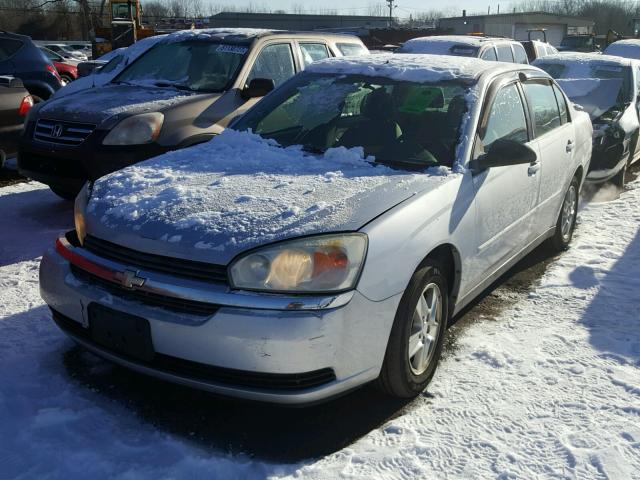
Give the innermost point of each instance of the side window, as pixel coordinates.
(489, 54)
(519, 54)
(312, 52)
(544, 107)
(504, 53)
(274, 62)
(506, 119)
(562, 105)
(8, 48)
(348, 49)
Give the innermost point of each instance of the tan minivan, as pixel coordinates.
(183, 90)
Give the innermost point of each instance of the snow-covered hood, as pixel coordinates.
(96, 105)
(238, 191)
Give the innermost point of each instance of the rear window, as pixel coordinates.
(348, 49)
(8, 48)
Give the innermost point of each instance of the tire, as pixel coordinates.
(68, 79)
(404, 375)
(566, 223)
(64, 193)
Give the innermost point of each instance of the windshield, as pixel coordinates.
(576, 42)
(599, 98)
(622, 92)
(399, 123)
(200, 66)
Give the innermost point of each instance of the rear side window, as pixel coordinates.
(562, 105)
(8, 48)
(348, 49)
(543, 104)
(519, 54)
(504, 53)
(489, 54)
(506, 118)
(312, 52)
(274, 62)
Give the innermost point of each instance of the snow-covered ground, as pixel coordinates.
(549, 387)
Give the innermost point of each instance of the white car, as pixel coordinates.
(326, 239)
(66, 51)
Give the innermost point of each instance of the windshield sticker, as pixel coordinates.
(232, 49)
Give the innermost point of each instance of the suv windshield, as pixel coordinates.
(399, 123)
(200, 66)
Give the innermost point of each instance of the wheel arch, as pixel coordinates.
(449, 257)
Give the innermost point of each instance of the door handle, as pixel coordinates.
(533, 169)
(569, 146)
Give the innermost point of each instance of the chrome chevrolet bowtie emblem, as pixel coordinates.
(57, 130)
(129, 279)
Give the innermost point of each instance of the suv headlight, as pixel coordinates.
(319, 264)
(79, 209)
(136, 130)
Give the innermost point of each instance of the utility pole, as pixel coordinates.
(391, 7)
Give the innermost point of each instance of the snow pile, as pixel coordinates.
(411, 68)
(239, 190)
(624, 48)
(118, 59)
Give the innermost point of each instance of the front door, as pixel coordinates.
(505, 196)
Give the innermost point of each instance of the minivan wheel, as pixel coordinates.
(65, 193)
(567, 218)
(417, 335)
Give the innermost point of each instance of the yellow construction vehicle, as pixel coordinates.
(125, 27)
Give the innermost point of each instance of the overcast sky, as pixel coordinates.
(361, 7)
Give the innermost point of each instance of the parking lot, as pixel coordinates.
(539, 378)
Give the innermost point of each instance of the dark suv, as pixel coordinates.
(20, 58)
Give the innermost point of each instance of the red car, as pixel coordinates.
(68, 72)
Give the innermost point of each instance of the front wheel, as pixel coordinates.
(417, 335)
(567, 219)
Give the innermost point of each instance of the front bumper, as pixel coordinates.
(342, 343)
(608, 158)
(71, 166)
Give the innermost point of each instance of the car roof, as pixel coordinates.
(578, 57)
(470, 40)
(246, 35)
(421, 68)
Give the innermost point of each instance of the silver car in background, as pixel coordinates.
(328, 237)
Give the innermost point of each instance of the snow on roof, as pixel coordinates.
(442, 43)
(229, 34)
(415, 68)
(625, 48)
(585, 58)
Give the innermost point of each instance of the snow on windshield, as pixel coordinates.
(442, 45)
(239, 189)
(120, 57)
(595, 95)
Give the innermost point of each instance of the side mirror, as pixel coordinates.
(258, 87)
(503, 153)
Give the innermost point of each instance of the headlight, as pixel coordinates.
(322, 264)
(78, 212)
(136, 130)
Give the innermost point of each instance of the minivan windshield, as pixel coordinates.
(398, 123)
(196, 65)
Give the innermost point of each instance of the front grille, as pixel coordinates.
(207, 373)
(63, 133)
(159, 263)
(174, 304)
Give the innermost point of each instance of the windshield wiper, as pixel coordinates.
(177, 86)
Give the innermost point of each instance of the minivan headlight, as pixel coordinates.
(79, 208)
(318, 264)
(136, 130)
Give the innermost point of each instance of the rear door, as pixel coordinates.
(555, 138)
(506, 197)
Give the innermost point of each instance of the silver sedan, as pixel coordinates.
(327, 239)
